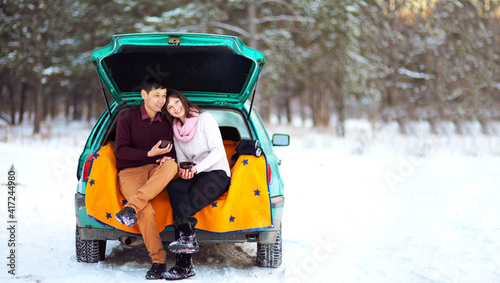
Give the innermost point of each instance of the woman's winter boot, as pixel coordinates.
(183, 268)
(186, 243)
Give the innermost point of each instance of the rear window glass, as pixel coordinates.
(260, 128)
(231, 119)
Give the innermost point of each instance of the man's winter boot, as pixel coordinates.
(186, 243)
(183, 268)
(126, 216)
(156, 271)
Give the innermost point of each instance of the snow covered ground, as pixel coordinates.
(373, 207)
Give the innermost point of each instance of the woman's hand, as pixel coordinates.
(156, 150)
(163, 159)
(187, 173)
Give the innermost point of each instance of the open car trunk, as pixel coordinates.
(208, 69)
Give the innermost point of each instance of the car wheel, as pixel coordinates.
(270, 255)
(89, 251)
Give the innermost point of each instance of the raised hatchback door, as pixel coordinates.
(208, 69)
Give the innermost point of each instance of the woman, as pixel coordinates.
(197, 140)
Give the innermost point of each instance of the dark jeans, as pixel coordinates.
(187, 197)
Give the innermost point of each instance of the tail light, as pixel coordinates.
(269, 174)
(86, 167)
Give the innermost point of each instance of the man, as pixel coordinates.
(140, 177)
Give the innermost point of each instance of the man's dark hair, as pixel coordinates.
(151, 84)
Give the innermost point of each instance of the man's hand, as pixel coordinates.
(156, 150)
(187, 173)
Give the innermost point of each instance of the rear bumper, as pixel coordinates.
(90, 229)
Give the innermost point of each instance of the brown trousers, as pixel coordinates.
(139, 185)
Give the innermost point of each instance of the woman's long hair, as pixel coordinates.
(189, 106)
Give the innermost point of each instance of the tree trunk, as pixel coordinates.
(89, 108)
(252, 26)
(321, 115)
(434, 124)
(45, 105)
(403, 125)
(340, 106)
(12, 104)
(313, 97)
(3, 96)
(37, 111)
(67, 106)
(265, 107)
(288, 110)
(52, 105)
(77, 109)
(303, 109)
(38, 23)
(485, 126)
(22, 101)
(459, 126)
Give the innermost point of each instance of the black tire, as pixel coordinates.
(270, 255)
(89, 251)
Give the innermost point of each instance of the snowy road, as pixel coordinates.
(383, 209)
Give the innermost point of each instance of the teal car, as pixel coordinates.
(218, 73)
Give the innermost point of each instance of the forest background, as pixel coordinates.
(433, 61)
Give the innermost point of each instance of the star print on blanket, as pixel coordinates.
(245, 206)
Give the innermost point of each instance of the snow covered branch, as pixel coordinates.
(232, 28)
(284, 18)
(415, 75)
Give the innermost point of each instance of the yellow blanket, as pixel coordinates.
(245, 206)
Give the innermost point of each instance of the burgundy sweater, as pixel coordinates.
(136, 134)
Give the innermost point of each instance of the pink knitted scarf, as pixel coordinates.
(185, 133)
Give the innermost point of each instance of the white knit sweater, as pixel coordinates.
(206, 148)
